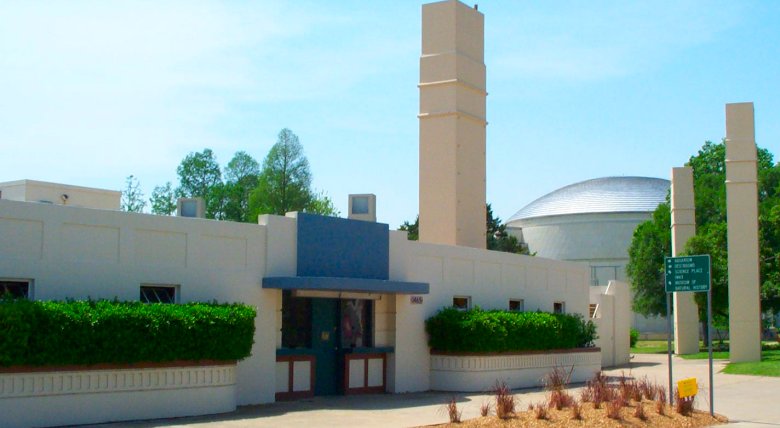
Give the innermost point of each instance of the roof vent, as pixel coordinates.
(191, 207)
(362, 207)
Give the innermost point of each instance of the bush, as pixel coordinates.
(43, 333)
(634, 337)
(476, 330)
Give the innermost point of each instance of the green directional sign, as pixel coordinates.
(687, 273)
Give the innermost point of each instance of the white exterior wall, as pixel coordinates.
(599, 240)
(78, 253)
(72, 252)
(490, 278)
(612, 319)
(78, 397)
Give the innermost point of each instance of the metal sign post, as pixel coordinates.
(690, 274)
(709, 345)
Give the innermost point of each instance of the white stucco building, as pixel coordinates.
(592, 222)
(341, 303)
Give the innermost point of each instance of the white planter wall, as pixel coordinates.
(478, 373)
(42, 399)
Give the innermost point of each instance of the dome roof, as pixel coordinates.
(600, 195)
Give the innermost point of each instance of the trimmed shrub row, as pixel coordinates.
(477, 330)
(44, 333)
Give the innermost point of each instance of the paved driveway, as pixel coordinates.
(748, 400)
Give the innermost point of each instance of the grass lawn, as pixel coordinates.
(703, 355)
(769, 365)
(650, 347)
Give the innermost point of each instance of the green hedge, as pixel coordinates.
(634, 338)
(42, 333)
(477, 330)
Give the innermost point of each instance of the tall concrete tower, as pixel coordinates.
(742, 219)
(452, 125)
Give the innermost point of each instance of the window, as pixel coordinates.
(17, 288)
(356, 323)
(516, 305)
(296, 321)
(559, 307)
(461, 302)
(360, 205)
(158, 294)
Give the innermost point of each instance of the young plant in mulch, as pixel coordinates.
(541, 412)
(576, 411)
(484, 410)
(452, 410)
(639, 411)
(505, 401)
(597, 391)
(614, 406)
(683, 405)
(556, 382)
(660, 399)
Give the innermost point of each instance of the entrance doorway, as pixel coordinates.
(327, 329)
(325, 345)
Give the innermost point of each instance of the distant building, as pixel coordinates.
(60, 194)
(592, 222)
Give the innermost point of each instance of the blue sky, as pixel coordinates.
(93, 91)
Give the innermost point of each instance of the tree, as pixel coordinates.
(200, 177)
(132, 197)
(241, 177)
(652, 239)
(321, 204)
(163, 200)
(412, 229)
(285, 181)
(496, 236)
(651, 243)
(198, 174)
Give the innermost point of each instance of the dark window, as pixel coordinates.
(296, 321)
(559, 307)
(516, 305)
(356, 323)
(461, 302)
(158, 294)
(16, 289)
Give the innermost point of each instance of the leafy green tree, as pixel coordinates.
(496, 236)
(132, 197)
(651, 243)
(163, 200)
(321, 204)
(241, 178)
(200, 177)
(652, 239)
(412, 229)
(285, 180)
(198, 174)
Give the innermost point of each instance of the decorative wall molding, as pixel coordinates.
(474, 372)
(17, 385)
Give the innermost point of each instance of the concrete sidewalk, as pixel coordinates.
(747, 400)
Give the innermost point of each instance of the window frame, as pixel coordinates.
(461, 308)
(175, 287)
(562, 304)
(28, 282)
(521, 303)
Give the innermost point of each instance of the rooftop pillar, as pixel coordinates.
(686, 314)
(742, 217)
(452, 125)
